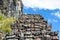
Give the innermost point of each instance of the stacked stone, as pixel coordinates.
(34, 27)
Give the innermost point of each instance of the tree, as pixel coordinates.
(5, 24)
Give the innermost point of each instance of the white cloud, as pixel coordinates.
(49, 20)
(53, 20)
(57, 14)
(25, 13)
(46, 4)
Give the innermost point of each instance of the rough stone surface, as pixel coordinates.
(11, 7)
(28, 26)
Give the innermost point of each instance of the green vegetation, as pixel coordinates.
(5, 24)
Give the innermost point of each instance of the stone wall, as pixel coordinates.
(34, 27)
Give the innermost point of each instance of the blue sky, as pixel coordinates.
(49, 9)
